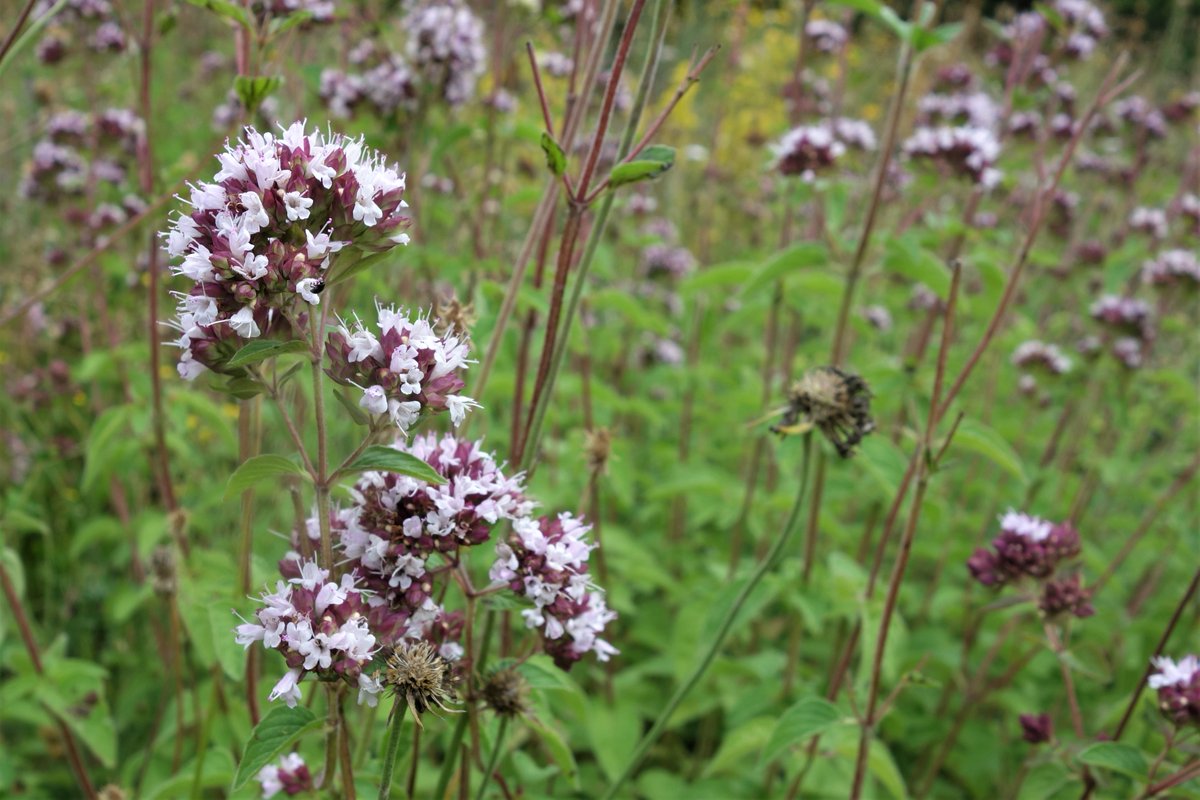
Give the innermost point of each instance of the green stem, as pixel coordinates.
(722, 630)
(533, 436)
(493, 759)
(393, 747)
(456, 737)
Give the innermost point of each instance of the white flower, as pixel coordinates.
(363, 345)
(252, 268)
(288, 688)
(374, 400)
(256, 217)
(1025, 525)
(320, 245)
(369, 689)
(404, 414)
(297, 205)
(306, 286)
(365, 209)
(197, 265)
(1171, 673)
(189, 368)
(459, 405)
(243, 323)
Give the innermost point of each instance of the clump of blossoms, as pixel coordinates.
(77, 148)
(290, 776)
(94, 22)
(397, 523)
(826, 36)
(1150, 221)
(319, 627)
(965, 150)
(1172, 268)
(545, 560)
(806, 150)
(260, 238)
(404, 371)
(445, 47)
(1039, 354)
(1085, 23)
(1178, 687)
(1031, 548)
(318, 10)
(974, 109)
(1130, 319)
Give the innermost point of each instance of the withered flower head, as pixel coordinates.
(416, 672)
(455, 317)
(162, 570)
(597, 447)
(836, 402)
(506, 692)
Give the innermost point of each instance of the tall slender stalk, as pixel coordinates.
(494, 758)
(723, 629)
(925, 457)
(393, 748)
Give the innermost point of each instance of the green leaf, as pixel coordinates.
(540, 673)
(557, 747)
(785, 263)
(718, 276)
(279, 25)
(262, 349)
(109, 432)
(383, 458)
(738, 746)
(352, 408)
(810, 716)
(230, 11)
(1118, 757)
(556, 159)
(254, 471)
(905, 257)
(978, 438)
(614, 733)
(275, 733)
(241, 388)
(651, 162)
(252, 90)
(356, 267)
(923, 38)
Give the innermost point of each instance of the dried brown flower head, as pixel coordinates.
(416, 672)
(597, 447)
(162, 570)
(506, 692)
(835, 402)
(455, 317)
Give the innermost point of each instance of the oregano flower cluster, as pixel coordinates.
(262, 236)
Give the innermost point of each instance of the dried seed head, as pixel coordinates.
(506, 692)
(162, 568)
(834, 401)
(597, 446)
(416, 672)
(455, 317)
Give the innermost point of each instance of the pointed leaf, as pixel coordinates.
(255, 470)
(1118, 757)
(810, 716)
(275, 733)
(262, 349)
(556, 159)
(382, 458)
